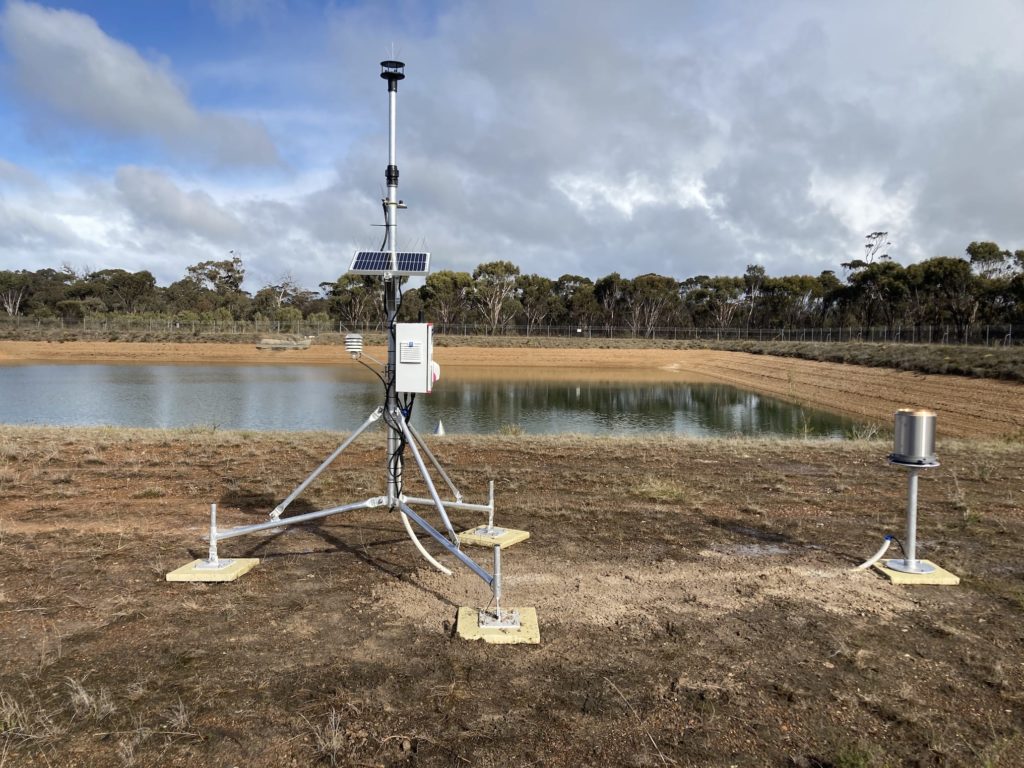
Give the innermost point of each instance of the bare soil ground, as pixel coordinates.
(695, 602)
(966, 407)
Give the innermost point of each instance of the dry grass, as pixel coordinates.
(329, 740)
(96, 706)
(27, 722)
(659, 488)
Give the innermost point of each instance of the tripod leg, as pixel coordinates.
(426, 478)
(436, 463)
(276, 514)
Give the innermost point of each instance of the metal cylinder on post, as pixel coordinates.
(914, 437)
(914, 449)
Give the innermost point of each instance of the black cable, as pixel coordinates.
(900, 545)
(371, 370)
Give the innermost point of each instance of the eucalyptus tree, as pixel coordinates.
(123, 291)
(952, 290)
(494, 292)
(446, 296)
(357, 300)
(753, 279)
(879, 292)
(537, 298)
(653, 302)
(712, 301)
(610, 295)
(13, 290)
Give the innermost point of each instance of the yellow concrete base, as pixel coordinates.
(479, 537)
(939, 576)
(468, 626)
(231, 570)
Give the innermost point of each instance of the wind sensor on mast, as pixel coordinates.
(410, 370)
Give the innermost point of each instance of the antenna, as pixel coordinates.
(409, 370)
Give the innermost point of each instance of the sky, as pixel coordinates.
(566, 136)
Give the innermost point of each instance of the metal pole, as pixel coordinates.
(276, 514)
(466, 559)
(397, 415)
(392, 293)
(496, 582)
(211, 558)
(912, 520)
(435, 462)
(245, 529)
(910, 562)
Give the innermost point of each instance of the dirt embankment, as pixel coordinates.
(966, 407)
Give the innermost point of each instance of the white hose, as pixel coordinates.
(875, 557)
(415, 540)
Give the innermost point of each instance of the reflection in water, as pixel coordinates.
(317, 397)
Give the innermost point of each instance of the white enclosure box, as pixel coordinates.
(414, 353)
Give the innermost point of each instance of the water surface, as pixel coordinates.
(308, 397)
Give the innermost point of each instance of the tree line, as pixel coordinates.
(984, 286)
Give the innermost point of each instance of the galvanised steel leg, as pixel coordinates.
(466, 559)
(435, 462)
(212, 562)
(499, 619)
(276, 513)
(370, 503)
(426, 477)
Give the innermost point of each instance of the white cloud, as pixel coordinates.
(157, 202)
(863, 204)
(62, 61)
(681, 138)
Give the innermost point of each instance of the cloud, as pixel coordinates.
(157, 202)
(680, 138)
(63, 62)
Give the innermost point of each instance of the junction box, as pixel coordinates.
(414, 368)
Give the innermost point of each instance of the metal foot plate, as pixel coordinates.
(939, 576)
(528, 632)
(201, 570)
(484, 537)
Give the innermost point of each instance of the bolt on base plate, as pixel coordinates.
(470, 627)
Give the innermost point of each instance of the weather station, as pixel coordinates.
(409, 370)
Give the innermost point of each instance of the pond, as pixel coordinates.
(306, 397)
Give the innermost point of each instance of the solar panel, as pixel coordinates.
(379, 263)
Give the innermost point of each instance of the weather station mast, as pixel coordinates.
(409, 370)
(393, 72)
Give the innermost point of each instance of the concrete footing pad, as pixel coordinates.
(939, 576)
(468, 626)
(503, 537)
(225, 570)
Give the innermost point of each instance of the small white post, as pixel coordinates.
(212, 557)
(496, 584)
(490, 512)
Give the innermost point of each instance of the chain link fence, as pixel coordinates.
(978, 334)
